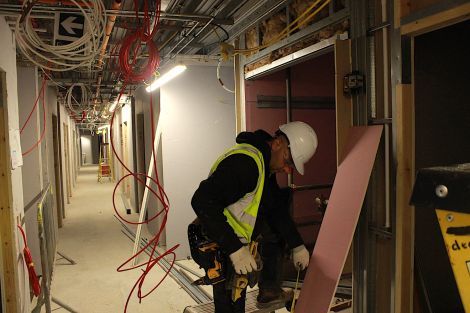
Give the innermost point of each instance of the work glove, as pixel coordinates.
(243, 261)
(300, 257)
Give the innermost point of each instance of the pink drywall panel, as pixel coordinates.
(339, 222)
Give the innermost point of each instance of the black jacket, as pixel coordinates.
(235, 176)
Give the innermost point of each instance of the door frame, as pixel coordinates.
(9, 297)
(57, 170)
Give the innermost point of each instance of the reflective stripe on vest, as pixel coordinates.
(241, 215)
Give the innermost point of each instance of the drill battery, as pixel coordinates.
(207, 255)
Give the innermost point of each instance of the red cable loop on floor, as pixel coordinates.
(162, 197)
(128, 59)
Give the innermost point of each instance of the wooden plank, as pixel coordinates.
(404, 8)
(404, 248)
(343, 102)
(343, 110)
(58, 181)
(239, 100)
(339, 223)
(67, 163)
(7, 224)
(436, 21)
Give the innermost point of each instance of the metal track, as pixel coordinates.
(194, 291)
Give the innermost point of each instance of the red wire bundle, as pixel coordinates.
(133, 43)
(129, 51)
(28, 259)
(162, 197)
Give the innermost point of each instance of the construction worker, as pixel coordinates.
(241, 198)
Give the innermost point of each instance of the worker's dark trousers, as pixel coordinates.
(272, 254)
(270, 277)
(223, 293)
(223, 300)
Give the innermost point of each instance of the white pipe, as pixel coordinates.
(143, 206)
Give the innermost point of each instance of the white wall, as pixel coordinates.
(32, 163)
(142, 103)
(8, 65)
(86, 149)
(198, 118)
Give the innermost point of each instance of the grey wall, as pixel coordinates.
(87, 156)
(32, 163)
(194, 108)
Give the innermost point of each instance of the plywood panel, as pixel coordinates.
(436, 21)
(343, 102)
(339, 223)
(404, 212)
(8, 240)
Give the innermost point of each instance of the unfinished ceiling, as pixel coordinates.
(105, 47)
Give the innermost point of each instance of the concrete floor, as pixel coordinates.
(92, 237)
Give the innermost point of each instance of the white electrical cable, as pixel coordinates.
(220, 80)
(82, 52)
(83, 104)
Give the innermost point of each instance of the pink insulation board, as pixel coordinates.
(339, 223)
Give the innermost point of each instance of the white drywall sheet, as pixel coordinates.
(198, 118)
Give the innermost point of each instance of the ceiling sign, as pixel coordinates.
(68, 27)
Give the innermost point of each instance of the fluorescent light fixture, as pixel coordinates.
(113, 107)
(165, 78)
(103, 127)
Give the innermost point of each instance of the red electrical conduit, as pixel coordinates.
(162, 197)
(28, 259)
(43, 132)
(128, 54)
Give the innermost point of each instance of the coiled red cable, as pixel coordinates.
(128, 56)
(134, 42)
(130, 72)
(28, 259)
(162, 197)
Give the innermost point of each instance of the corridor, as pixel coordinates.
(92, 237)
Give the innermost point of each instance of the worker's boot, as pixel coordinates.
(272, 297)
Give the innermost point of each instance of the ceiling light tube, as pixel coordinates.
(165, 78)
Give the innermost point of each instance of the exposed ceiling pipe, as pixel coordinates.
(109, 28)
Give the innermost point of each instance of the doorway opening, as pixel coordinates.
(442, 117)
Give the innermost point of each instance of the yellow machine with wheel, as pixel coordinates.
(443, 193)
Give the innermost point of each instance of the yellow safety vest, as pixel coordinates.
(241, 215)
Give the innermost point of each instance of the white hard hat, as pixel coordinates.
(303, 142)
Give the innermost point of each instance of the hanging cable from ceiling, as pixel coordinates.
(133, 45)
(79, 53)
(132, 71)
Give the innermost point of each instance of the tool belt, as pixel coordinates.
(208, 255)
